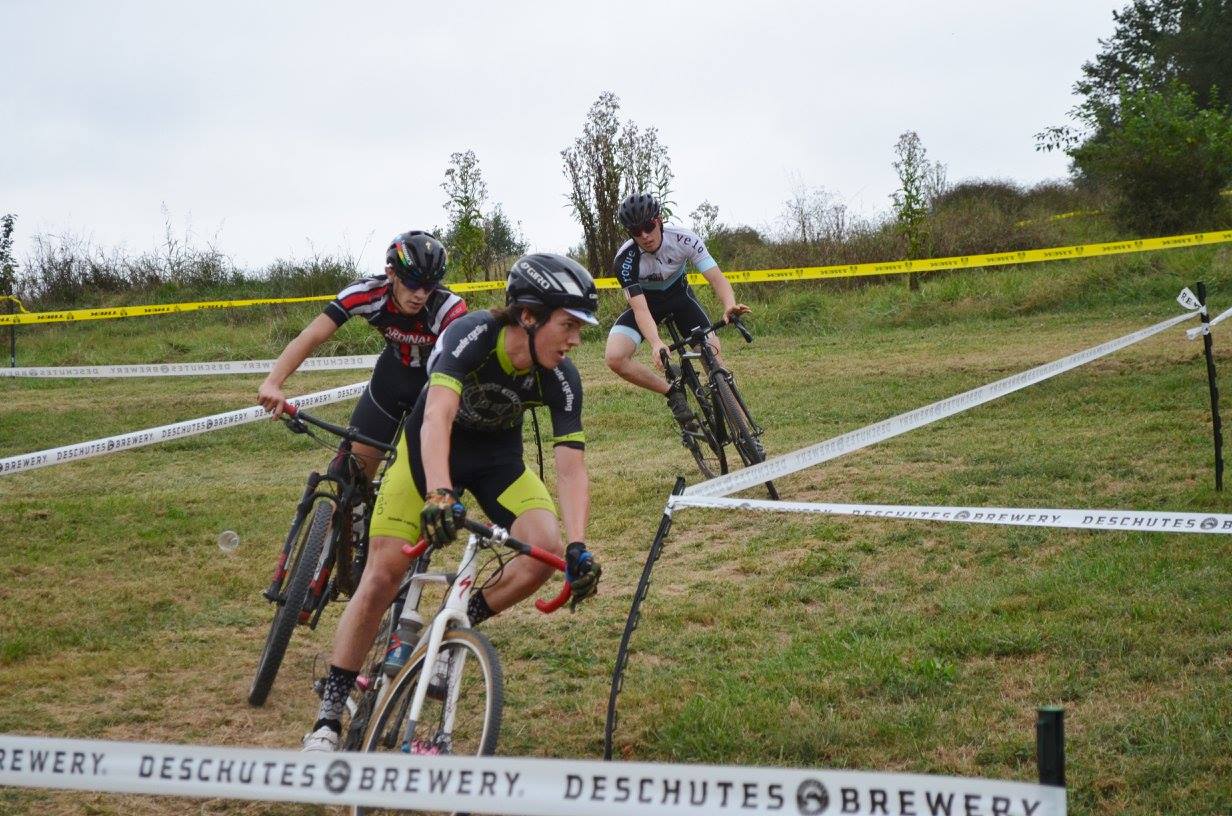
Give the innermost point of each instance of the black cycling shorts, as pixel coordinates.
(391, 392)
(677, 303)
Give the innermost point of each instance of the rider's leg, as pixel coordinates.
(394, 523)
(362, 615)
(618, 355)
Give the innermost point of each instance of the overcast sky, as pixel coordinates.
(277, 127)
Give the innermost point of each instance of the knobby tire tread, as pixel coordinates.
(287, 615)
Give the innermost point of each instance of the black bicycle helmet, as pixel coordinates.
(417, 258)
(553, 281)
(637, 209)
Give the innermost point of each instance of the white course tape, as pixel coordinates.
(855, 440)
(189, 369)
(543, 787)
(176, 430)
(1147, 521)
(1205, 328)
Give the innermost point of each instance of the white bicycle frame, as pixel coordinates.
(452, 614)
(452, 611)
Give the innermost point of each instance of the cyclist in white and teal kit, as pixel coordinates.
(651, 269)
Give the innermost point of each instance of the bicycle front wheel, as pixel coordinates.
(470, 726)
(302, 564)
(741, 425)
(704, 438)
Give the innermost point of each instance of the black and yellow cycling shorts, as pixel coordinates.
(487, 465)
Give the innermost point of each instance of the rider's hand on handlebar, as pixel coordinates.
(582, 572)
(734, 311)
(442, 515)
(271, 398)
(657, 348)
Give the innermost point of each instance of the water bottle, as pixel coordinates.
(403, 641)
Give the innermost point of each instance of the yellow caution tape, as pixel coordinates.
(14, 299)
(755, 276)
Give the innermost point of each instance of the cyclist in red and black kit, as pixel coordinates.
(651, 269)
(410, 308)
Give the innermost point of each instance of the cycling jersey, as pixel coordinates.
(485, 447)
(640, 271)
(400, 372)
(410, 336)
(471, 359)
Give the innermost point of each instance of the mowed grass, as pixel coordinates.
(767, 638)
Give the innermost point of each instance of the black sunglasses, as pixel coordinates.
(645, 227)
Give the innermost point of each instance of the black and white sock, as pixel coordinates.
(478, 610)
(338, 685)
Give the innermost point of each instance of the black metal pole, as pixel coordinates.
(1216, 423)
(643, 587)
(12, 336)
(1050, 745)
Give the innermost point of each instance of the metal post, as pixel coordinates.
(1216, 423)
(643, 587)
(1050, 745)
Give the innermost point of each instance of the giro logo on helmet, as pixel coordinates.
(539, 278)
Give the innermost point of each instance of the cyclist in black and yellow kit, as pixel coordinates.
(465, 435)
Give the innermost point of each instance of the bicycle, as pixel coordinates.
(722, 416)
(330, 528)
(448, 709)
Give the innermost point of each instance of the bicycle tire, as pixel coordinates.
(301, 564)
(747, 444)
(475, 732)
(363, 700)
(705, 443)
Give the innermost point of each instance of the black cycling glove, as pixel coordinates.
(581, 571)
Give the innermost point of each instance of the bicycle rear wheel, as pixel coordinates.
(741, 425)
(705, 440)
(475, 683)
(302, 564)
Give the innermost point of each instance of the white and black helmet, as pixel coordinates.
(637, 209)
(555, 282)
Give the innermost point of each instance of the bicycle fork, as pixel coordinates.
(452, 612)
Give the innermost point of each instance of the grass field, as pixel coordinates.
(767, 639)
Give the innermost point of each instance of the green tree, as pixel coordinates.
(606, 163)
(1155, 104)
(920, 182)
(8, 268)
(1156, 44)
(503, 242)
(706, 220)
(465, 194)
(1166, 159)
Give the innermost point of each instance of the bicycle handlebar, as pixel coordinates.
(295, 419)
(699, 334)
(500, 535)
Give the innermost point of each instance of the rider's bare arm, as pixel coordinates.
(269, 395)
(723, 290)
(439, 412)
(573, 491)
